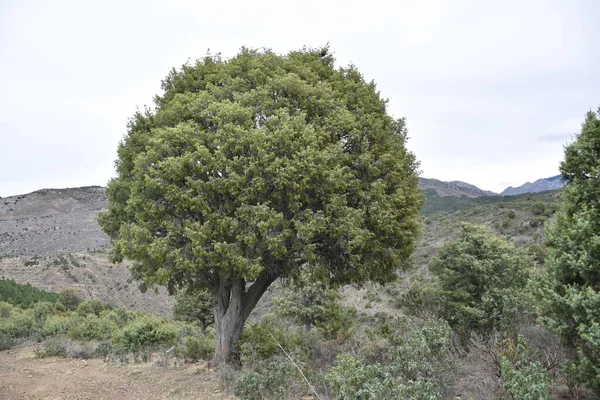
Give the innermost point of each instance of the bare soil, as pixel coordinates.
(24, 377)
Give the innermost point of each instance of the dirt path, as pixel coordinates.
(24, 377)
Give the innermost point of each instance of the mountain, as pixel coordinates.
(454, 188)
(541, 185)
(51, 221)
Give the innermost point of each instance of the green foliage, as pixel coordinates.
(311, 302)
(523, 378)
(249, 168)
(23, 295)
(5, 309)
(257, 343)
(538, 208)
(570, 292)
(194, 305)
(436, 205)
(197, 348)
(41, 311)
(21, 324)
(56, 325)
(90, 307)
(421, 299)
(338, 322)
(538, 253)
(91, 327)
(482, 279)
(410, 362)
(70, 298)
(538, 221)
(272, 381)
(147, 332)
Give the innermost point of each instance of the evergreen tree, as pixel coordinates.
(570, 295)
(248, 168)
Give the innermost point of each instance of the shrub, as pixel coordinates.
(147, 332)
(257, 343)
(20, 325)
(197, 348)
(275, 380)
(41, 311)
(91, 327)
(6, 341)
(537, 221)
(70, 298)
(482, 279)
(51, 348)
(538, 208)
(523, 378)
(90, 307)
(5, 309)
(353, 379)
(56, 325)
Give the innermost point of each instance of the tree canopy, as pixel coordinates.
(248, 168)
(570, 299)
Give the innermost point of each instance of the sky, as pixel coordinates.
(491, 91)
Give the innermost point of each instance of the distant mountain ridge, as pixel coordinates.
(454, 188)
(541, 185)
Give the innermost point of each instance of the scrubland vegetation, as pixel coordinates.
(268, 168)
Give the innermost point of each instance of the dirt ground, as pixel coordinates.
(24, 377)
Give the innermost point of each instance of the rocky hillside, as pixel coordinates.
(51, 221)
(541, 185)
(50, 239)
(453, 189)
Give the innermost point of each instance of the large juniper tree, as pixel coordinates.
(250, 167)
(571, 296)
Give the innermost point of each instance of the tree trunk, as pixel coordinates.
(232, 306)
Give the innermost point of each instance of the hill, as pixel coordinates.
(541, 185)
(51, 221)
(452, 189)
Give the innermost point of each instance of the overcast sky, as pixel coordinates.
(491, 90)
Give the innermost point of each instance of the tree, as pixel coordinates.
(250, 167)
(482, 278)
(570, 293)
(70, 298)
(194, 305)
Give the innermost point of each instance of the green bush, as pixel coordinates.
(56, 325)
(257, 343)
(538, 208)
(19, 325)
(275, 380)
(147, 332)
(537, 221)
(406, 357)
(70, 298)
(482, 277)
(41, 311)
(6, 341)
(5, 309)
(353, 379)
(523, 378)
(197, 348)
(421, 300)
(90, 307)
(91, 327)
